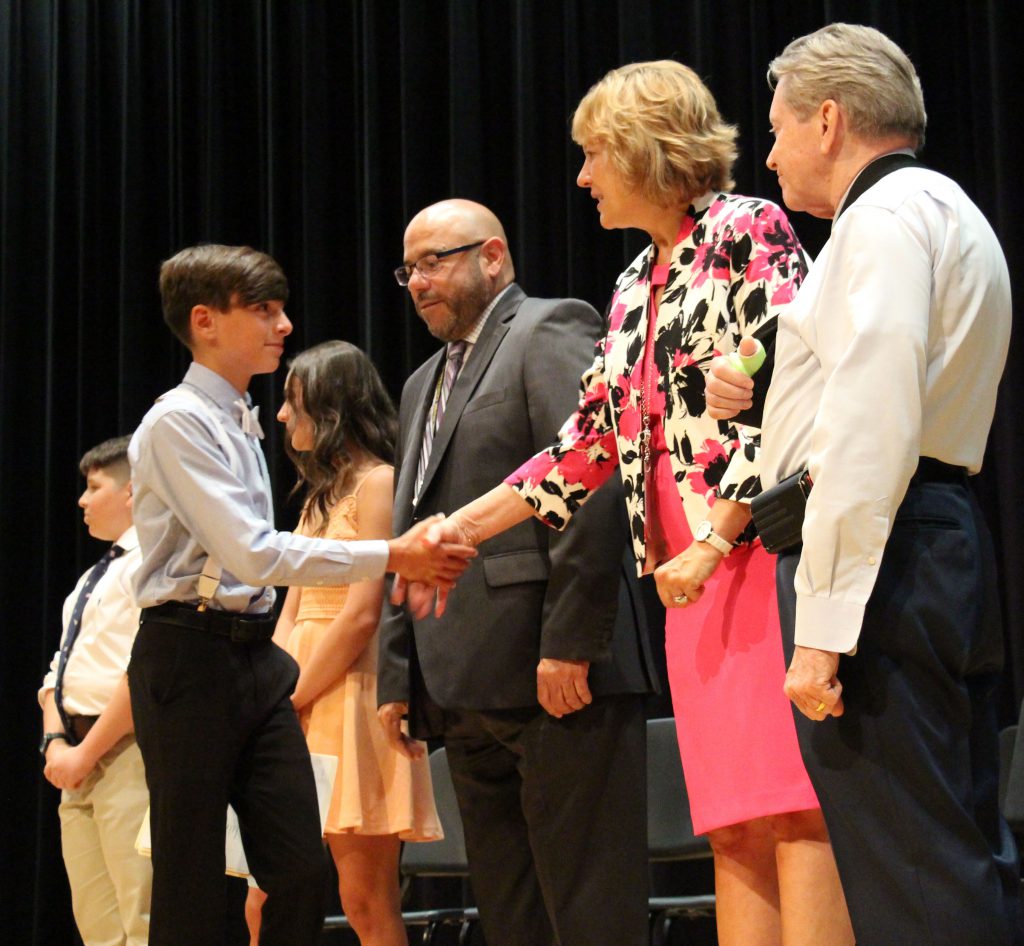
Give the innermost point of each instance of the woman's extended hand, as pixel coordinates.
(681, 580)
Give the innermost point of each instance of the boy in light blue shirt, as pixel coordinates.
(210, 691)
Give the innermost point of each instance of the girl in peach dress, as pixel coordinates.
(341, 427)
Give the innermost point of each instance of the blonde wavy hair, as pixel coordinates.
(661, 130)
(861, 69)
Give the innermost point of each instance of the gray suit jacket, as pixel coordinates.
(532, 592)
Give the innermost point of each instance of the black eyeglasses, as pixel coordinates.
(428, 265)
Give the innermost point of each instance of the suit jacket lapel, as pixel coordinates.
(486, 345)
(413, 439)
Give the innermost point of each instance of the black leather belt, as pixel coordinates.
(80, 726)
(930, 470)
(243, 628)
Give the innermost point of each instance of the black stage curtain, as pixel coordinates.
(314, 130)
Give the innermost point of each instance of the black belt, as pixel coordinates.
(930, 470)
(243, 628)
(80, 726)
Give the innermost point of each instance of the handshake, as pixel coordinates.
(427, 560)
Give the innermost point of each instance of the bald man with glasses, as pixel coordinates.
(535, 674)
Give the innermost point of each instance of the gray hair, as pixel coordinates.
(863, 71)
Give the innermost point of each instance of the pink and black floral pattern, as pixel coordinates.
(735, 264)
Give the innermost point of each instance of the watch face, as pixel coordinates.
(703, 531)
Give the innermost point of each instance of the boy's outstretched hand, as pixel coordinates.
(419, 555)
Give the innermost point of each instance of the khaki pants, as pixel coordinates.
(110, 882)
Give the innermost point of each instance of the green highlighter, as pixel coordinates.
(749, 357)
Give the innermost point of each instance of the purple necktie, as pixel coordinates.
(75, 625)
(456, 352)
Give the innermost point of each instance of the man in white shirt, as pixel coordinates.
(88, 746)
(884, 388)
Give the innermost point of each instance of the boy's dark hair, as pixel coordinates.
(212, 274)
(111, 456)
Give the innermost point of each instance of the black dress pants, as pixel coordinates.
(555, 818)
(907, 778)
(215, 725)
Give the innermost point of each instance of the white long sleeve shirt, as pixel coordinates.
(892, 350)
(100, 655)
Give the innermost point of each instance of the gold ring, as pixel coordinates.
(821, 707)
(680, 599)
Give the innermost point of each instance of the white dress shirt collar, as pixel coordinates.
(128, 540)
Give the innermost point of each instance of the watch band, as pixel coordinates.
(706, 533)
(51, 737)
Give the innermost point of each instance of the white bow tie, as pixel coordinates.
(250, 419)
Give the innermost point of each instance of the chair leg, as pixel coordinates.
(660, 926)
(464, 932)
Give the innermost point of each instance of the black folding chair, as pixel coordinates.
(1007, 745)
(1011, 775)
(445, 858)
(670, 834)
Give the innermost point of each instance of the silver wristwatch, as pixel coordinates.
(705, 533)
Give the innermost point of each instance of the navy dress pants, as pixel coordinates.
(907, 778)
(215, 725)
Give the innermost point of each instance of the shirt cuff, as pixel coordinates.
(828, 623)
(369, 559)
(550, 506)
(346, 562)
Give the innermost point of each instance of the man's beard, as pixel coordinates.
(463, 310)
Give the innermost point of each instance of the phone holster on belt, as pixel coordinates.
(779, 512)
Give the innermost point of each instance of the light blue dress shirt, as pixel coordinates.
(190, 503)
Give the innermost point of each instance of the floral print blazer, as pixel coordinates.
(735, 264)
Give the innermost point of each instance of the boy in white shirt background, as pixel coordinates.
(88, 746)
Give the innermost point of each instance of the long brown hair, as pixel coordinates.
(338, 386)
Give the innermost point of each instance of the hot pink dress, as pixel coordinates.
(725, 671)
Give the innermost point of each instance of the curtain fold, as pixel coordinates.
(131, 128)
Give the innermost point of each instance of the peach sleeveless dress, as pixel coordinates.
(377, 790)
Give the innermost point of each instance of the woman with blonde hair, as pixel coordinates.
(658, 157)
(341, 429)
